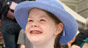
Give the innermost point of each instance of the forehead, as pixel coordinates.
(38, 12)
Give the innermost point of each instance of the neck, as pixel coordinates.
(48, 44)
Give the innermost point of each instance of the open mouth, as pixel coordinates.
(35, 32)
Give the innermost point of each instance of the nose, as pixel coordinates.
(35, 24)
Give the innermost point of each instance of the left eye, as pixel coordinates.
(42, 20)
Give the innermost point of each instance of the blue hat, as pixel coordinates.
(53, 6)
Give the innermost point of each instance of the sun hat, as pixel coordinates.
(53, 6)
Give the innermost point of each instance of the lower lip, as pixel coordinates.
(35, 33)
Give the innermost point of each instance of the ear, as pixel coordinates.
(59, 28)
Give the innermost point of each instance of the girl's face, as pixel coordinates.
(40, 28)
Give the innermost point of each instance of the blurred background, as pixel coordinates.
(81, 8)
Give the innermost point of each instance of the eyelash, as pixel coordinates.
(30, 20)
(42, 20)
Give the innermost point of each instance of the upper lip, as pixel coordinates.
(35, 31)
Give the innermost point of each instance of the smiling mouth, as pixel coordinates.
(35, 32)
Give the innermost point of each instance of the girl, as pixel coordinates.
(46, 23)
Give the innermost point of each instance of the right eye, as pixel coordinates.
(30, 20)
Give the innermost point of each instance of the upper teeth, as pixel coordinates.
(35, 32)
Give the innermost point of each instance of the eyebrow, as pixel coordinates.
(43, 16)
(29, 17)
(39, 17)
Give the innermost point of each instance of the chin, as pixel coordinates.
(35, 42)
(34, 39)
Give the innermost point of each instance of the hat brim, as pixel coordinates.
(70, 24)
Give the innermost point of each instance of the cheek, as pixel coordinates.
(27, 31)
(49, 30)
(27, 28)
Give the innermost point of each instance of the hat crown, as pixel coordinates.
(52, 2)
